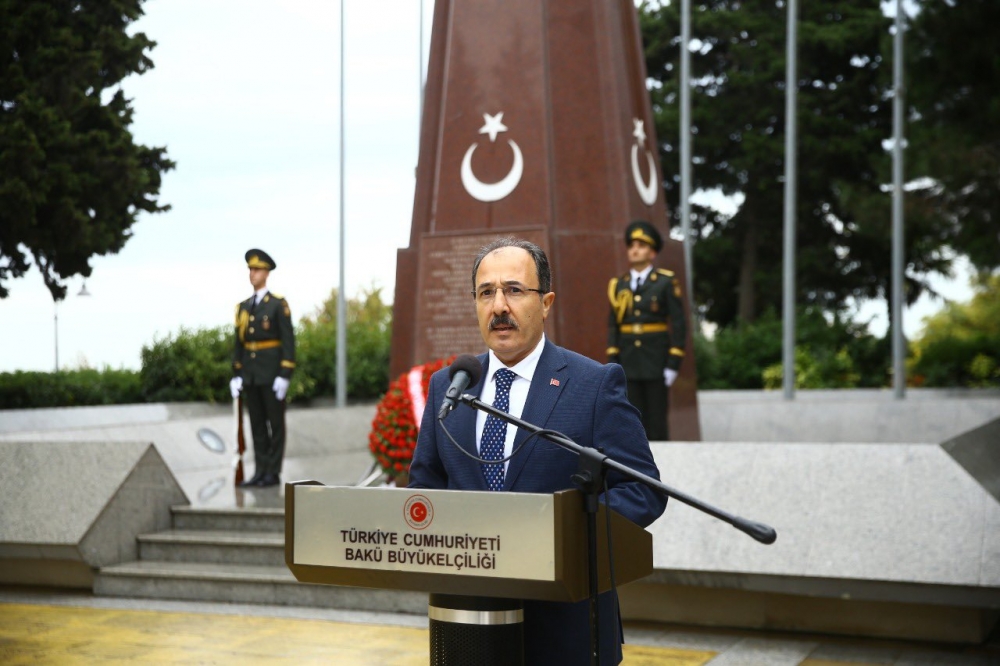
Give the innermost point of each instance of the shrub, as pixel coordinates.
(69, 388)
(196, 364)
(828, 370)
(960, 345)
(830, 353)
(369, 329)
(193, 365)
(740, 354)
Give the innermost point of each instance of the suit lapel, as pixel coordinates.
(551, 375)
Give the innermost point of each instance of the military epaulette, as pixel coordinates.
(278, 296)
(664, 271)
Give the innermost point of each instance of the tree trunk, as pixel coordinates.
(747, 310)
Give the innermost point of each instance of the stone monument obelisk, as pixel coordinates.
(536, 123)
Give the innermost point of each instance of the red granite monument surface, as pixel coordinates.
(536, 123)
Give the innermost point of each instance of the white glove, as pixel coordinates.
(280, 387)
(235, 386)
(669, 376)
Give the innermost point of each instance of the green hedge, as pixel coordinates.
(959, 348)
(191, 366)
(369, 332)
(959, 361)
(194, 365)
(69, 388)
(960, 344)
(830, 353)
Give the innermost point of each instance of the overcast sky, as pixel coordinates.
(245, 96)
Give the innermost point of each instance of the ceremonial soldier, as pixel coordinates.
(263, 362)
(646, 328)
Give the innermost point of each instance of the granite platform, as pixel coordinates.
(894, 536)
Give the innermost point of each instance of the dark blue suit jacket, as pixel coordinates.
(587, 403)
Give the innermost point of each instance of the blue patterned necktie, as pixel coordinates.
(495, 431)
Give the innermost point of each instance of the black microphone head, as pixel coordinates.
(466, 363)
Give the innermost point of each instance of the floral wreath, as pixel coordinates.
(397, 418)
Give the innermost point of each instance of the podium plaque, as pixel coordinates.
(489, 544)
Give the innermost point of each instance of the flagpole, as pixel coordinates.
(898, 343)
(788, 296)
(686, 151)
(341, 290)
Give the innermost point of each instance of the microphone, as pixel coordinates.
(465, 371)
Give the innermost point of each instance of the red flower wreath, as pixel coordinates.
(395, 427)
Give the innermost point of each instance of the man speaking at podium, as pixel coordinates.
(551, 387)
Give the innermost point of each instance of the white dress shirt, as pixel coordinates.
(637, 275)
(523, 372)
(259, 295)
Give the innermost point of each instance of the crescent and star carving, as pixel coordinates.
(647, 191)
(489, 192)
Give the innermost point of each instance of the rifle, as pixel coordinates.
(241, 444)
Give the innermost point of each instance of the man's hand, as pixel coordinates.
(235, 386)
(280, 387)
(669, 376)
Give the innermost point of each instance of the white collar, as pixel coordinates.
(525, 368)
(643, 274)
(259, 295)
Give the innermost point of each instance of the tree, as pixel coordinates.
(738, 119)
(954, 91)
(960, 345)
(72, 180)
(369, 332)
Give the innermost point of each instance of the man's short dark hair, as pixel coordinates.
(538, 254)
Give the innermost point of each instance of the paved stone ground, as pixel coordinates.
(39, 626)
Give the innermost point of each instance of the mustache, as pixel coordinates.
(503, 320)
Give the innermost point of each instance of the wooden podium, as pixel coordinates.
(488, 545)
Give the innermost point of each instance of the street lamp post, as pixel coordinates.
(55, 317)
(55, 320)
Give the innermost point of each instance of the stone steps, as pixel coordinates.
(214, 546)
(236, 556)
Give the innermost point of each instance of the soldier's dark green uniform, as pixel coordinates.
(264, 349)
(646, 334)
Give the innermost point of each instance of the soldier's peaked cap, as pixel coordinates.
(259, 259)
(641, 230)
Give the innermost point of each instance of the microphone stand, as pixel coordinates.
(592, 467)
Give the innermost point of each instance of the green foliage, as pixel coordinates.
(740, 352)
(960, 345)
(69, 388)
(830, 370)
(196, 364)
(369, 328)
(72, 181)
(193, 365)
(738, 126)
(831, 353)
(953, 88)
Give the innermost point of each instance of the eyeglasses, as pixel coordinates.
(511, 292)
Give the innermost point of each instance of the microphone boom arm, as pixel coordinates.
(759, 531)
